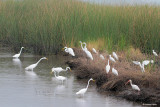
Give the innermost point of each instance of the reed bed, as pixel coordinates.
(45, 26)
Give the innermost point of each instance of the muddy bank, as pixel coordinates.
(148, 82)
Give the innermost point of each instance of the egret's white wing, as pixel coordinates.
(136, 62)
(145, 62)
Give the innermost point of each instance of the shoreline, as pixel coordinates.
(148, 81)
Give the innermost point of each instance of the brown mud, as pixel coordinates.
(148, 82)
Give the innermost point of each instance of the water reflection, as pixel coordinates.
(31, 74)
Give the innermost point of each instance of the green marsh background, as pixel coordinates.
(45, 26)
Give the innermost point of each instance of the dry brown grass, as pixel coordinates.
(85, 68)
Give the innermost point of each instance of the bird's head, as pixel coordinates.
(22, 47)
(92, 79)
(128, 82)
(68, 68)
(80, 41)
(153, 50)
(44, 58)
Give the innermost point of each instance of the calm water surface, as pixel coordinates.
(20, 88)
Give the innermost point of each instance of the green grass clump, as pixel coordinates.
(45, 26)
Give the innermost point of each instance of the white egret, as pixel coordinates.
(60, 78)
(108, 67)
(145, 62)
(94, 50)
(60, 69)
(134, 87)
(102, 57)
(88, 53)
(69, 50)
(31, 67)
(83, 91)
(115, 55)
(154, 53)
(83, 48)
(18, 55)
(111, 58)
(114, 71)
(152, 61)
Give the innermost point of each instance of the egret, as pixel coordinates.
(83, 48)
(94, 50)
(31, 67)
(115, 55)
(69, 50)
(60, 69)
(134, 87)
(114, 71)
(83, 91)
(60, 78)
(102, 57)
(18, 55)
(145, 62)
(111, 58)
(108, 67)
(154, 53)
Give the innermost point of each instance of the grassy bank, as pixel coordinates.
(45, 26)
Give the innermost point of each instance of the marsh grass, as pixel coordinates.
(45, 26)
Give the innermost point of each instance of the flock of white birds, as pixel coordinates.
(70, 51)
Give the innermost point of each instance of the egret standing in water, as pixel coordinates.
(83, 91)
(154, 53)
(60, 78)
(31, 67)
(69, 50)
(18, 55)
(60, 69)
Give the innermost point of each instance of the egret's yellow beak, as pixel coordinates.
(93, 80)
(70, 70)
(46, 58)
(62, 48)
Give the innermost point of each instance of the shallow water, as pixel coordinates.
(20, 88)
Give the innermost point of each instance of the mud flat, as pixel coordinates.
(148, 82)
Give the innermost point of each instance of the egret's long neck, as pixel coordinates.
(108, 62)
(67, 68)
(55, 74)
(82, 46)
(39, 61)
(131, 83)
(88, 84)
(20, 51)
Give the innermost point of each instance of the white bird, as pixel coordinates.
(83, 91)
(111, 58)
(134, 87)
(60, 78)
(108, 67)
(94, 50)
(114, 71)
(102, 57)
(145, 62)
(154, 53)
(18, 55)
(60, 69)
(115, 55)
(83, 48)
(69, 50)
(88, 53)
(31, 67)
(152, 61)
